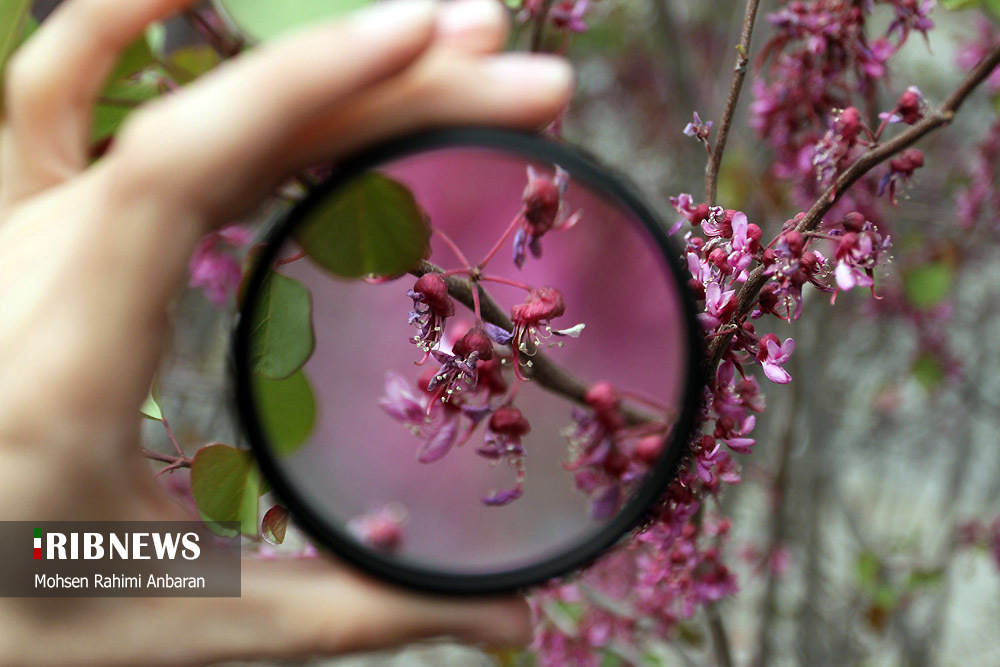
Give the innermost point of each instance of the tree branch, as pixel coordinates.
(747, 296)
(735, 86)
(543, 370)
(720, 639)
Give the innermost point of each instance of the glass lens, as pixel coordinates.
(463, 436)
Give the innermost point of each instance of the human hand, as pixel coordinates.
(90, 258)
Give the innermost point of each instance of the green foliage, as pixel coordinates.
(928, 371)
(991, 6)
(118, 100)
(287, 410)
(188, 63)
(14, 17)
(281, 333)
(225, 484)
(151, 408)
(265, 19)
(927, 285)
(373, 225)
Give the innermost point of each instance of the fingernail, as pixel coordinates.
(468, 15)
(531, 70)
(394, 16)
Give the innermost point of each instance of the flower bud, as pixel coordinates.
(508, 420)
(474, 341)
(648, 449)
(541, 305)
(434, 290)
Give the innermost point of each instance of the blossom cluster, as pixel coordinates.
(819, 61)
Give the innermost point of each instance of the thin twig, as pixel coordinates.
(538, 34)
(777, 531)
(543, 370)
(735, 86)
(174, 461)
(878, 154)
(720, 639)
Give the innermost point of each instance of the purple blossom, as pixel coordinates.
(772, 355)
(568, 15)
(543, 209)
(699, 130)
(214, 268)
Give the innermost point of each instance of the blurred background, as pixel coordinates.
(864, 530)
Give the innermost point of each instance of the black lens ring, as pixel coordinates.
(582, 169)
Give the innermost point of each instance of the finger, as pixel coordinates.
(128, 225)
(288, 610)
(228, 127)
(335, 610)
(446, 88)
(52, 83)
(472, 26)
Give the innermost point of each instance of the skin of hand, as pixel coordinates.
(91, 256)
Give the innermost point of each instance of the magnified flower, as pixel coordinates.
(543, 209)
(431, 307)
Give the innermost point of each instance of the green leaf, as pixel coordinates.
(274, 524)
(264, 19)
(287, 410)
(14, 17)
(225, 484)
(117, 101)
(135, 58)
(927, 285)
(954, 5)
(151, 408)
(928, 371)
(281, 332)
(610, 659)
(866, 572)
(373, 225)
(924, 578)
(190, 62)
(993, 6)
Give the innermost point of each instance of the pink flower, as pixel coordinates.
(772, 355)
(214, 268)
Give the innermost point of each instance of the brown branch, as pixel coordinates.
(747, 296)
(174, 461)
(720, 638)
(735, 86)
(543, 370)
(538, 33)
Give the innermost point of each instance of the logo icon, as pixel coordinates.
(38, 543)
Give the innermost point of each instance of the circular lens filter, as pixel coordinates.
(468, 362)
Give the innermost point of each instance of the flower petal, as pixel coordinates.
(438, 444)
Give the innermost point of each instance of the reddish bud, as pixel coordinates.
(508, 420)
(602, 397)
(908, 161)
(474, 341)
(848, 125)
(854, 222)
(700, 214)
(795, 242)
(435, 292)
(648, 449)
(718, 257)
(542, 304)
(754, 232)
(809, 262)
(615, 463)
(541, 204)
(910, 107)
